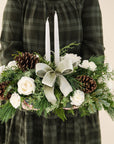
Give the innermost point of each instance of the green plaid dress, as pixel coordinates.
(24, 30)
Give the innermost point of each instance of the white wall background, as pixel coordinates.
(107, 8)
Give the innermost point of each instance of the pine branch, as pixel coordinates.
(70, 46)
(6, 112)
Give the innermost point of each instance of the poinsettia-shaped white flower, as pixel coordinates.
(15, 100)
(26, 86)
(88, 65)
(2, 68)
(78, 98)
(12, 64)
(75, 59)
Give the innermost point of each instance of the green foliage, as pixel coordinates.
(74, 82)
(8, 89)
(6, 112)
(98, 105)
(60, 113)
(92, 108)
(72, 45)
(110, 111)
(97, 60)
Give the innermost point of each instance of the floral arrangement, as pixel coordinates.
(33, 83)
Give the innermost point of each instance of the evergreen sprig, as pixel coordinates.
(6, 112)
(72, 45)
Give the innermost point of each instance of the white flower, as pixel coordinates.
(2, 68)
(100, 80)
(37, 55)
(12, 64)
(15, 100)
(110, 85)
(92, 66)
(88, 65)
(109, 68)
(75, 59)
(85, 64)
(78, 98)
(107, 81)
(26, 86)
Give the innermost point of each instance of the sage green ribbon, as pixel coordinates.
(51, 76)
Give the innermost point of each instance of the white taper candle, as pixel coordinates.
(47, 41)
(56, 39)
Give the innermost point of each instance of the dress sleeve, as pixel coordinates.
(92, 44)
(11, 35)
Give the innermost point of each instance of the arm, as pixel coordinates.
(11, 35)
(92, 44)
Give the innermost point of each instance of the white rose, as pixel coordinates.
(2, 68)
(85, 64)
(92, 66)
(12, 64)
(78, 98)
(75, 59)
(15, 100)
(88, 65)
(26, 86)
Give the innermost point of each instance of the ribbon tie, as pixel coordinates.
(51, 76)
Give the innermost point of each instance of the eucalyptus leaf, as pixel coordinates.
(105, 103)
(92, 108)
(28, 73)
(98, 105)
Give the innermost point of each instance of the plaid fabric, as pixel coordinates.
(27, 128)
(24, 30)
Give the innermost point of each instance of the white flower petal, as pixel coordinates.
(92, 66)
(85, 64)
(12, 64)
(88, 65)
(26, 86)
(2, 68)
(109, 68)
(78, 98)
(73, 57)
(15, 100)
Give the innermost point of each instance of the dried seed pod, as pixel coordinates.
(26, 61)
(88, 84)
(2, 90)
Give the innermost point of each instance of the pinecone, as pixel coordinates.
(26, 61)
(2, 90)
(88, 84)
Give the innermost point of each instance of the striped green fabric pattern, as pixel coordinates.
(23, 29)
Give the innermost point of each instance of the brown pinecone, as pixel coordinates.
(2, 90)
(88, 84)
(26, 61)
